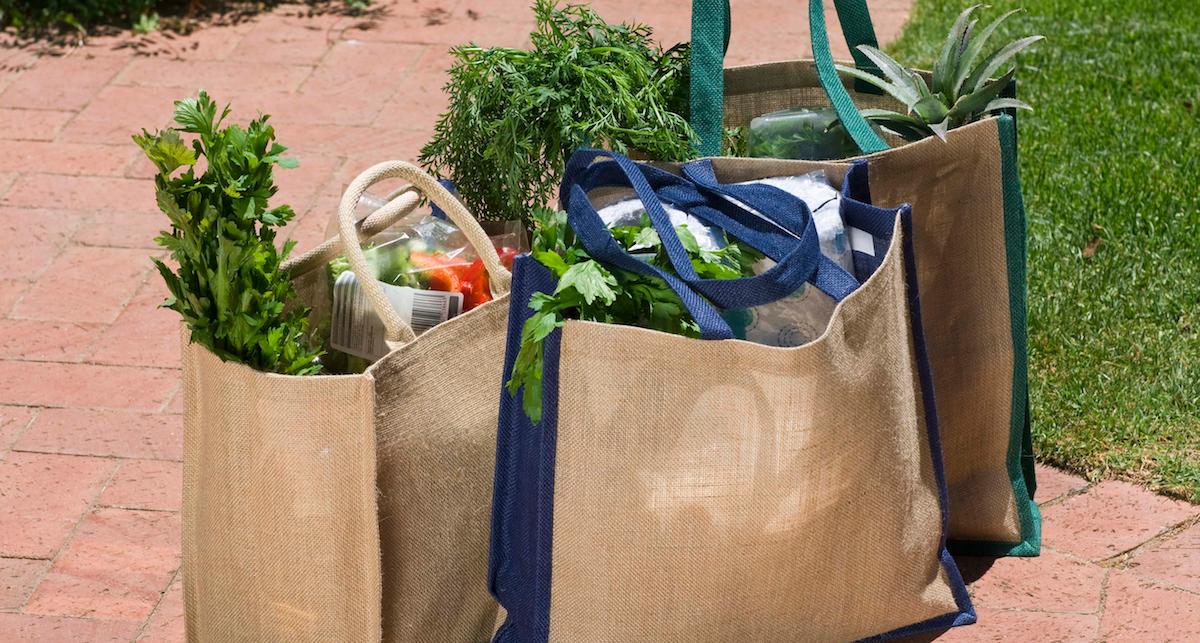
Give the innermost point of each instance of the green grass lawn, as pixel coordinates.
(1109, 157)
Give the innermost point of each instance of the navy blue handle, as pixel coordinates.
(797, 257)
(435, 209)
(776, 206)
(597, 239)
(757, 232)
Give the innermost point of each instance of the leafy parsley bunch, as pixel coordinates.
(229, 287)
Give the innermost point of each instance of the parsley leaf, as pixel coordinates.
(228, 286)
(592, 281)
(590, 291)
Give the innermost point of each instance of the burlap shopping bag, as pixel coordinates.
(707, 490)
(969, 236)
(348, 507)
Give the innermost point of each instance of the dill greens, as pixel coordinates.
(515, 116)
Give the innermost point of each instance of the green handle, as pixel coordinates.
(710, 28)
(710, 39)
(857, 29)
(867, 139)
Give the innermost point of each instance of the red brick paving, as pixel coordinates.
(18, 578)
(1137, 609)
(14, 421)
(105, 433)
(90, 432)
(146, 484)
(1174, 561)
(42, 497)
(31, 628)
(114, 568)
(1119, 516)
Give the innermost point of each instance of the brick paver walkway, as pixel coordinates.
(90, 432)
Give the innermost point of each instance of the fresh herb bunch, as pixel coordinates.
(515, 116)
(229, 288)
(590, 291)
(961, 90)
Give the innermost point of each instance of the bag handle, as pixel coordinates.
(797, 257)
(867, 139)
(710, 39)
(397, 331)
(780, 222)
(762, 234)
(399, 204)
(597, 240)
(772, 204)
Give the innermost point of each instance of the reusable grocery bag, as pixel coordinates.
(712, 490)
(348, 507)
(969, 236)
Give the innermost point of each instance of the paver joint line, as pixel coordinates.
(1121, 560)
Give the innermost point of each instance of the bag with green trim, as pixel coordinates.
(969, 237)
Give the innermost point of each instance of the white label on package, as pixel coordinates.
(862, 241)
(355, 329)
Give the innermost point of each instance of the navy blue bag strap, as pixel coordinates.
(791, 271)
(782, 217)
(759, 233)
(773, 203)
(600, 245)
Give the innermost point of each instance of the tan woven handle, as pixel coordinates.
(399, 204)
(398, 332)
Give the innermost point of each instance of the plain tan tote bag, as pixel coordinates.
(348, 507)
(969, 236)
(684, 490)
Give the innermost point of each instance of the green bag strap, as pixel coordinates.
(858, 29)
(710, 40)
(710, 37)
(866, 138)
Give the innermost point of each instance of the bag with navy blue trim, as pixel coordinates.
(681, 489)
(969, 237)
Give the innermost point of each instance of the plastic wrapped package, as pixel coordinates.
(792, 321)
(800, 133)
(801, 318)
(430, 272)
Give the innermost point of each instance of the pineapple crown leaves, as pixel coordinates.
(961, 89)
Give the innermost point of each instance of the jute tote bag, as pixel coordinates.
(969, 236)
(348, 507)
(708, 490)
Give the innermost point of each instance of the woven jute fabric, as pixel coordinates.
(343, 508)
(956, 191)
(741, 492)
(435, 410)
(279, 520)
